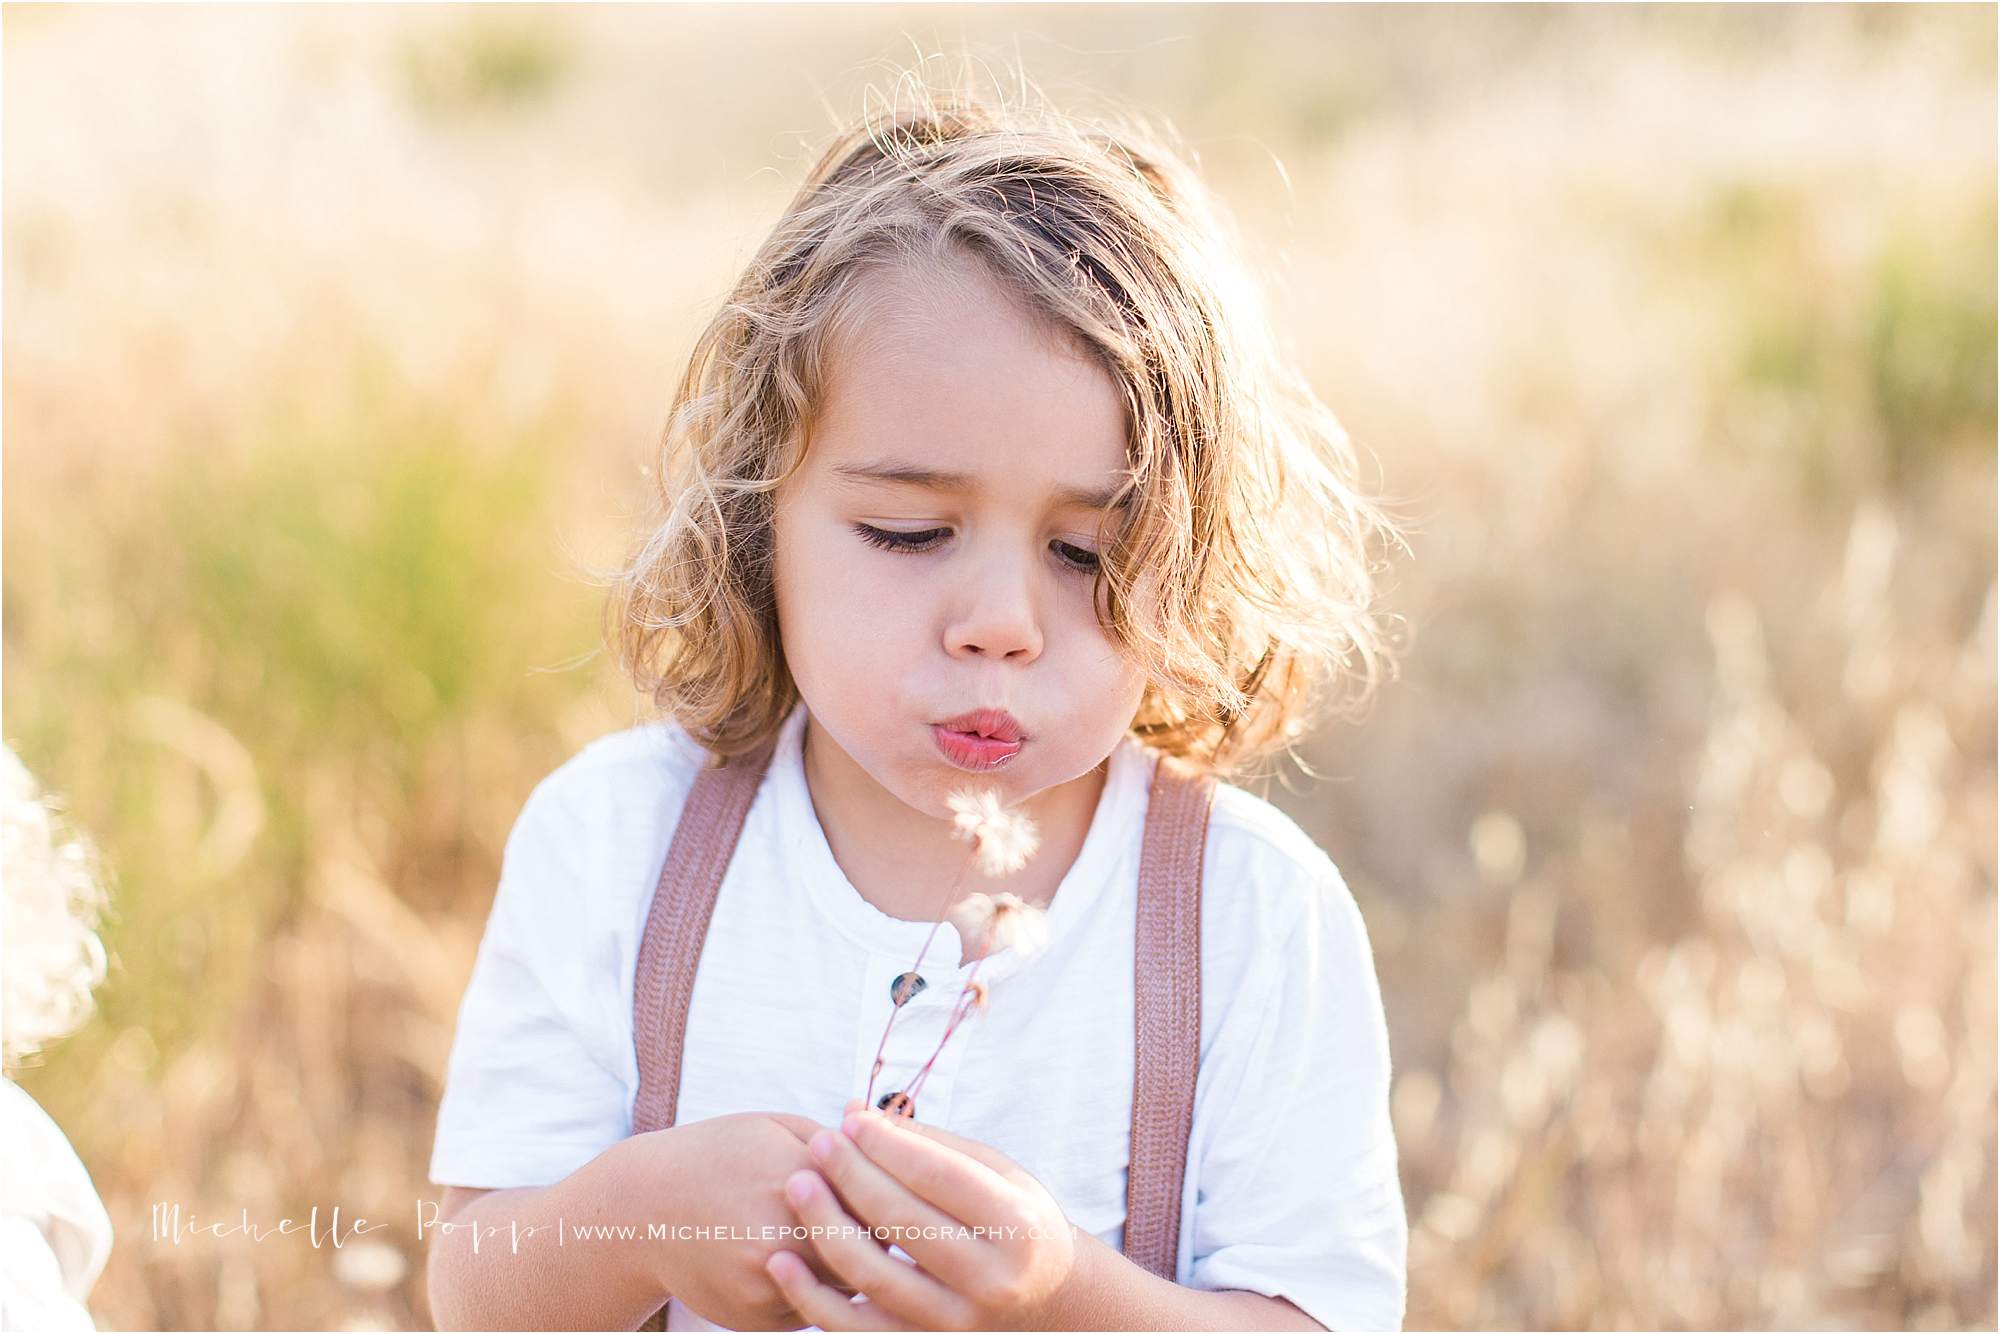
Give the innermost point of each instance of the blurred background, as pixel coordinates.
(336, 341)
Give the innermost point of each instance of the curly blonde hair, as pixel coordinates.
(1241, 576)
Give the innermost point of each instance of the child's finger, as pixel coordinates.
(936, 1166)
(982, 1153)
(896, 1289)
(822, 1306)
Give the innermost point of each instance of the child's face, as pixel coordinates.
(993, 608)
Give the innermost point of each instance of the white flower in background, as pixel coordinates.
(1005, 839)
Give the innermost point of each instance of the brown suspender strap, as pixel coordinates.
(1167, 1024)
(1167, 1011)
(677, 924)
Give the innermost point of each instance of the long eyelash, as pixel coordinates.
(882, 537)
(1087, 565)
(1083, 562)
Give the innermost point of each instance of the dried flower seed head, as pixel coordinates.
(1005, 839)
(997, 921)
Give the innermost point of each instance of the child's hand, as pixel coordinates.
(730, 1171)
(896, 1173)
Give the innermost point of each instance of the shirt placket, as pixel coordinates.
(918, 1027)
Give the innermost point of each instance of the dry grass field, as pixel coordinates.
(335, 341)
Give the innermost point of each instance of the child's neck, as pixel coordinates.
(903, 861)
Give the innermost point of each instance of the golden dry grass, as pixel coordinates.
(333, 337)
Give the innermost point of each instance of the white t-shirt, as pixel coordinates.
(1291, 1188)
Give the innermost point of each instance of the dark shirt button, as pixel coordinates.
(904, 987)
(898, 1104)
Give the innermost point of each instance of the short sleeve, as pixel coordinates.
(533, 1087)
(1297, 1193)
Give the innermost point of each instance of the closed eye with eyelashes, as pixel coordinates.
(916, 543)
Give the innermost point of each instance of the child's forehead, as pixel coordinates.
(965, 431)
(909, 315)
(931, 354)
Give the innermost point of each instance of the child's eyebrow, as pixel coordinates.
(939, 479)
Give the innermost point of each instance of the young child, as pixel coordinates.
(55, 1233)
(986, 440)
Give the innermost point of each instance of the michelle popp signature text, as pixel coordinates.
(171, 1224)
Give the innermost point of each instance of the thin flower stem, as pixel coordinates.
(958, 1013)
(950, 897)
